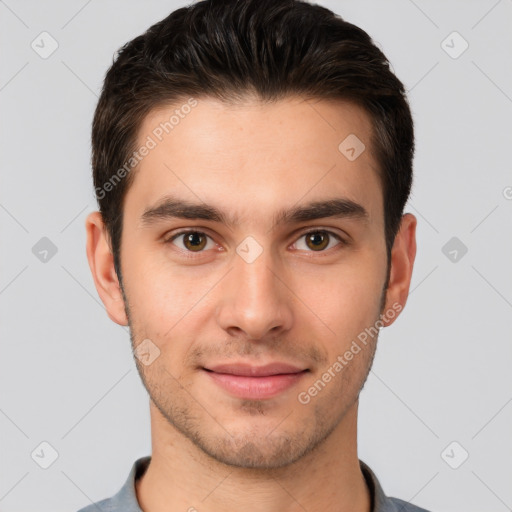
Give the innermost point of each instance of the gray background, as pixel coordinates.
(442, 371)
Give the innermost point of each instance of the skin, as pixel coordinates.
(294, 303)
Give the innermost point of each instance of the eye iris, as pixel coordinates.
(194, 241)
(318, 239)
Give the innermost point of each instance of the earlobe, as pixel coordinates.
(402, 262)
(101, 263)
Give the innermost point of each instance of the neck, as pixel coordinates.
(182, 477)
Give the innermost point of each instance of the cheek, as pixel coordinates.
(346, 298)
(158, 291)
(169, 305)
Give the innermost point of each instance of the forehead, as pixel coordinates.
(257, 157)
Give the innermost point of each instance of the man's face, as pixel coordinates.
(254, 288)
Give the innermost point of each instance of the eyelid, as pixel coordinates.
(316, 229)
(167, 237)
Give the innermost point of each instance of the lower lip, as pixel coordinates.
(255, 388)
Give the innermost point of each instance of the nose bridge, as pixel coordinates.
(254, 299)
(257, 278)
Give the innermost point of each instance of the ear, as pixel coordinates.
(101, 263)
(402, 261)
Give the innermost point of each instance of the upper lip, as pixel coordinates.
(255, 371)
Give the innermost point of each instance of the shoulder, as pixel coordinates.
(380, 501)
(125, 500)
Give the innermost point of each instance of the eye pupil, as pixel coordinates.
(318, 239)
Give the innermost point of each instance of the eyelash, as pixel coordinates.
(193, 254)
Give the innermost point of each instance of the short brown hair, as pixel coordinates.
(229, 49)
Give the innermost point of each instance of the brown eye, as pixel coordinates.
(192, 241)
(318, 241)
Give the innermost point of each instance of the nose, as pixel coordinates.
(254, 299)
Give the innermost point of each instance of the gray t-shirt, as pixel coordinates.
(126, 499)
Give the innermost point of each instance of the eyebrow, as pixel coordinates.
(173, 208)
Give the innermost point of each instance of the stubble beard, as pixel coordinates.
(268, 449)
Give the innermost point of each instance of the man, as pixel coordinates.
(252, 160)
